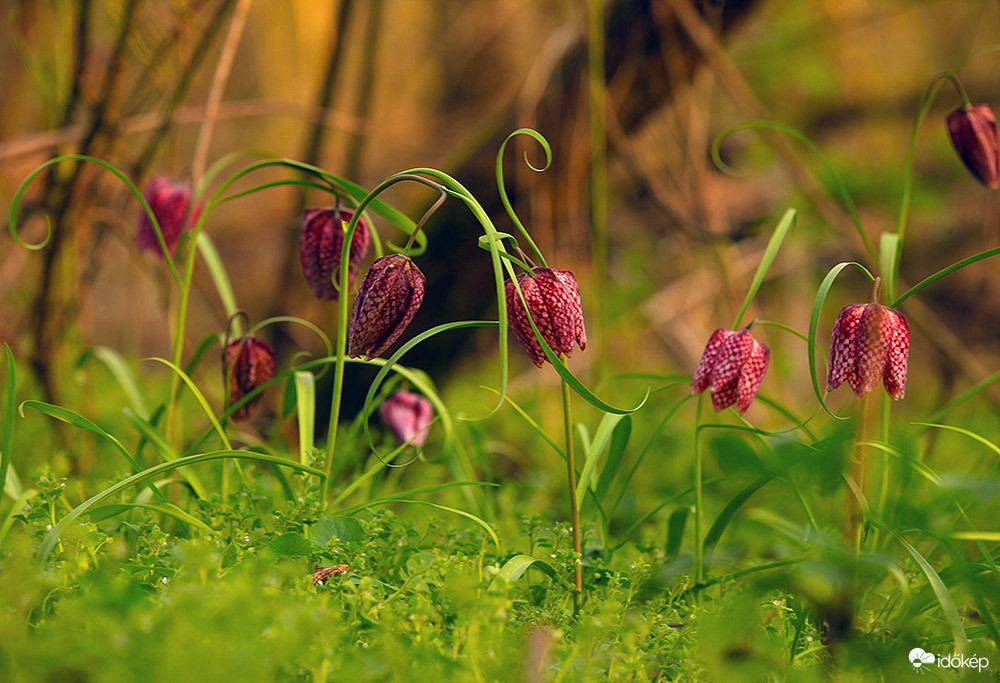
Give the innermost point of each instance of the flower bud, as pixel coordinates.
(553, 300)
(249, 363)
(408, 416)
(170, 202)
(732, 368)
(869, 342)
(321, 245)
(973, 131)
(388, 297)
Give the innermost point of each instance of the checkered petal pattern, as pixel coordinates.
(732, 367)
(170, 202)
(388, 297)
(553, 299)
(249, 363)
(321, 245)
(869, 343)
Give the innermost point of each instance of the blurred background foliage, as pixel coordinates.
(368, 88)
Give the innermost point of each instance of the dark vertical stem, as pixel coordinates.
(312, 154)
(314, 146)
(574, 508)
(363, 103)
(81, 43)
(180, 92)
(47, 301)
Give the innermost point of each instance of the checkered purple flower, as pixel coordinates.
(973, 131)
(249, 362)
(869, 343)
(732, 367)
(553, 299)
(408, 416)
(170, 202)
(321, 245)
(388, 297)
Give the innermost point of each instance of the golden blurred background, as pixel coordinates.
(664, 244)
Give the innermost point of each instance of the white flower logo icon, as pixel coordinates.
(919, 658)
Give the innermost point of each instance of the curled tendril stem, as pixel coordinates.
(341, 355)
(527, 259)
(238, 315)
(949, 75)
(839, 190)
(22, 188)
(876, 287)
(427, 214)
(538, 137)
(930, 94)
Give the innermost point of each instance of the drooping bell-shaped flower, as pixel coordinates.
(869, 343)
(170, 202)
(973, 131)
(732, 367)
(388, 297)
(249, 363)
(321, 245)
(408, 416)
(553, 299)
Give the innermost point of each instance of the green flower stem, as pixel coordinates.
(342, 325)
(574, 508)
(338, 368)
(699, 559)
(883, 494)
(184, 294)
(858, 473)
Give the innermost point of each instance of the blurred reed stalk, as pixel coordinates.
(312, 154)
(51, 306)
(366, 86)
(597, 80)
(64, 196)
(222, 70)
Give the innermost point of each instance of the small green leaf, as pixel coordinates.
(290, 545)
(218, 272)
(344, 529)
(616, 453)
(7, 425)
(817, 308)
(593, 453)
(728, 512)
(514, 568)
(675, 530)
(786, 223)
(305, 401)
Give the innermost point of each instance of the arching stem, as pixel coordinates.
(574, 508)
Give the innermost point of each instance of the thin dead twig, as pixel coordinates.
(236, 25)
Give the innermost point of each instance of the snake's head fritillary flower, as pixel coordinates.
(408, 416)
(553, 299)
(249, 363)
(732, 367)
(388, 297)
(321, 245)
(170, 202)
(973, 131)
(870, 342)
